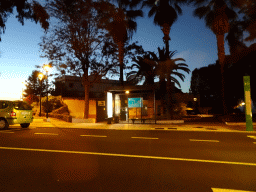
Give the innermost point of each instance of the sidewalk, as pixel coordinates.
(39, 122)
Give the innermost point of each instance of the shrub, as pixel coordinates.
(53, 103)
(31, 98)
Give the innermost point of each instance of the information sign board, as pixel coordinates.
(135, 102)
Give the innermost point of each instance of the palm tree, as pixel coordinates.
(144, 70)
(235, 37)
(120, 24)
(165, 14)
(165, 69)
(248, 8)
(217, 16)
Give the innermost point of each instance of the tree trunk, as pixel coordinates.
(221, 56)
(121, 61)
(86, 94)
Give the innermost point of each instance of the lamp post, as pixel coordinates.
(40, 76)
(46, 68)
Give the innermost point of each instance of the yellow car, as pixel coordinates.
(15, 112)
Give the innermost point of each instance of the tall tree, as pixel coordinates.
(248, 8)
(26, 10)
(165, 13)
(144, 70)
(120, 24)
(33, 85)
(217, 15)
(235, 37)
(73, 43)
(165, 69)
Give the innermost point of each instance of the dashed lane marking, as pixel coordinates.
(144, 138)
(204, 140)
(251, 136)
(228, 190)
(93, 136)
(133, 156)
(46, 134)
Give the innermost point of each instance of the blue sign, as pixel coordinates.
(135, 102)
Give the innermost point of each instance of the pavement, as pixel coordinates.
(41, 122)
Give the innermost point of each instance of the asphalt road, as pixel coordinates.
(55, 159)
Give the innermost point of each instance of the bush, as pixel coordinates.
(31, 98)
(53, 104)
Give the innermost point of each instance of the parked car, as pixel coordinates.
(15, 112)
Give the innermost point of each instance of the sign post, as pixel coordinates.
(248, 106)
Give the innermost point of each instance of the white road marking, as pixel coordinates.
(134, 156)
(93, 136)
(228, 190)
(252, 136)
(204, 140)
(46, 134)
(144, 138)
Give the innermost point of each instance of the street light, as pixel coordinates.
(40, 76)
(46, 68)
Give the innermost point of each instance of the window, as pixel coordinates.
(19, 105)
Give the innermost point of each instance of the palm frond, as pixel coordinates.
(152, 11)
(201, 12)
(133, 14)
(177, 8)
(175, 81)
(180, 75)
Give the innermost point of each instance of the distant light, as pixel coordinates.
(46, 68)
(195, 99)
(243, 103)
(40, 76)
(127, 92)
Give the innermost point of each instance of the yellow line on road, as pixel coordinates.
(46, 134)
(5, 132)
(93, 136)
(228, 190)
(204, 140)
(254, 142)
(134, 156)
(143, 138)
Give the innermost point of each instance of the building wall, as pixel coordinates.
(76, 107)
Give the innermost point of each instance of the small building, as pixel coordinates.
(72, 92)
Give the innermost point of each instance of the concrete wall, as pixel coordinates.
(76, 107)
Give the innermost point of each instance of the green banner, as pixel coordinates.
(248, 105)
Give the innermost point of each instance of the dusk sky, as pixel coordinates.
(19, 49)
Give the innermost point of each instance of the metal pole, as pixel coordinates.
(155, 105)
(248, 105)
(47, 95)
(40, 97)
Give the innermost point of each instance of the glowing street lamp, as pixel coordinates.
(40, 77)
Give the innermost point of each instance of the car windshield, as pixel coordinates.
(21, 106)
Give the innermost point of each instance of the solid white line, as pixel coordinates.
(93, 136)
(46, 134)
(134, 156)
(204, 140)
(143, 138)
